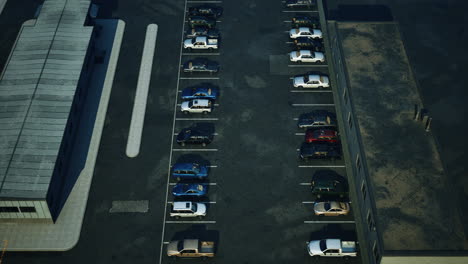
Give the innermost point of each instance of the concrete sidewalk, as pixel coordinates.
(64, 234)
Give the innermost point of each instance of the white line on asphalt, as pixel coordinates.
(308, 202)
(287, 21)
(329, 222)
(175, 134)
(295, 118)
(305, 65)
(166, 242)
(299, 134)
(305, 183)
(141, 94)
(200, 54)
(206, 150)
(300, 11)
(289, 42)
(197, 119)
(313, 104)
(321, 166)
(190, 222)
(198, 78)
(213, 166)
(172, 141)
(310, 91)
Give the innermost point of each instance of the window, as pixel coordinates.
(9, 209)
(358, 162)
(345, 96)
(370, 221)
(376, 252)
(350, 121)
(364, 190)
(27, 209)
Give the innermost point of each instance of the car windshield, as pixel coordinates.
(298, 53)
(327, 206)
(306, 78)
(180, 245)
(342, 205)
(194, 207)
(190, 104)
(321, 79)
(200, 187)
(323, 245)
(196, 167)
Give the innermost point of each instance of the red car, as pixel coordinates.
(322, 135)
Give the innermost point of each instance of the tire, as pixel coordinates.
(301, 87)
(189, 49)
(299, 61)
(177, 217)
(320, 87)
(210, 48)
(204, 144)
(185, 112)
(205, 112)
(182, 144)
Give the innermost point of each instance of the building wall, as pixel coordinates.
(27, 210)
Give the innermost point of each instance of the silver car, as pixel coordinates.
(331, 208)
(306, 56)
(187, 209)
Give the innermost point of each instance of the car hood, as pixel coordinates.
(172, 247)
(325, 80)
(314, 247)
(319, 56)
(299, 80)
(187, 42)
(184, 105)
(317, 32)
(201, 209)
(293, 31)
(319, 207)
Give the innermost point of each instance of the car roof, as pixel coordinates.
(305, 52)
(182, 205)
(184, 166)
(314, 77)
(201, 102)
(304, 29)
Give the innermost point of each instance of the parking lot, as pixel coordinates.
(259, 201)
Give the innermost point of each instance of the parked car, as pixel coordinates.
(310, 151)
(194, 136)
(189, 171)
(322, 135)
(203, 106)
(300, 3)
(305, 32)
(329, 185)
(206, 10)
(311, 81)
(189, 189)
(191, 248)
(305, 21)
(201, 65)
(317, 119)
(204, 31)
(203, 43)
(332, 248)
(306, 56)
(308, 43)
(195, 21)
(202, 91)
(187, 209)
(333, 208)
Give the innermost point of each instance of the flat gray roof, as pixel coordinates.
(36, 94)
(416, 210)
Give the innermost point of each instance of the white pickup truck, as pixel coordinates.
(332, 248)
(201, 43)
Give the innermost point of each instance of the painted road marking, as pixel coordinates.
(305, 183)
(141, 206)
(141, 95)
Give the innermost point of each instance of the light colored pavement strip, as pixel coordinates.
(2, 5)
(305, 183)
(129, 206)
(299, 134)
(172, 141)
(64, 234)
(190, 222)
(141, 95)
(308, 202)
(329, 222)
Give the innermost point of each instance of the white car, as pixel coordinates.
(306, 56)
(187, 209)
(305, 32)
(196, 106)
(311, 81)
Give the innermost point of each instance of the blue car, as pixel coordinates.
(189, 171)
(195, 190)
(200, 92)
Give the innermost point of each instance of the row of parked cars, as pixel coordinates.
(322, 139)
(198, 99)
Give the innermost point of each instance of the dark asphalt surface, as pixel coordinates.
(259, 212)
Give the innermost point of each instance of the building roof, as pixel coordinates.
(36, 93)
(416, 208)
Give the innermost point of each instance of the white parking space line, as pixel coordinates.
(295, 118)
(308, 202)
(313, 104)
(201, 54)
(329, 222)
(287, 21)
(310, 91)
(305, 183)
(190, 222)
(299, 134)
(197, 119)
(141, 94)
(300, 11)
(309, 65)
(213, 166)
(166, 242)
(202, 150)
(289, 42)
(214, 134)
(321, 166)
(172, 143)
(199, 78)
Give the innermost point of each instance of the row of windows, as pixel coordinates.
(17, 209)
